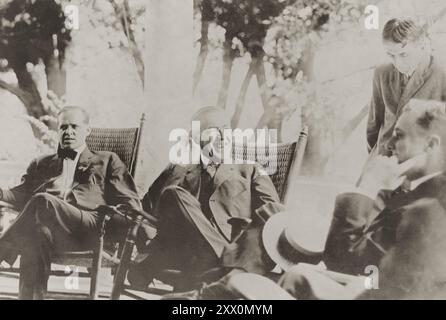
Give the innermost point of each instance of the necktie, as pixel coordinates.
(404, 81)
(66, 153)
(207, 188)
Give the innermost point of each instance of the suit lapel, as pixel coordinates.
(83, 164)
(54, 169)
(224, 172)
(192, 179)
(56, 165)
(414, 84)
(429, 188)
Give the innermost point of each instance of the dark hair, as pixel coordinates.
(431, 116)
(402, 30)
(76, 108)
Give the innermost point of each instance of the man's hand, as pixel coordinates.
(382, 173)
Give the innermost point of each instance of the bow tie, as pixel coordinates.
(66, 153)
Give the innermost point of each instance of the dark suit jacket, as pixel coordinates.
(100, 178)
(407, 240)
(239, 191)
(388, 98)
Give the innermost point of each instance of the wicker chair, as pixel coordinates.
(287, 159)
(287, 163)
(125, 142)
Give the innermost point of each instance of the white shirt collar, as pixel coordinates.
(80, 149)
(415, 183)
(204, 160)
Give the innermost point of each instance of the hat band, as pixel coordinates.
(295, 254)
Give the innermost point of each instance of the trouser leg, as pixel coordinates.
(186, 240)
(182, 222)
(46, 226)
(35, 266)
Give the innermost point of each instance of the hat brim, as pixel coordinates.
(272, 230)
(304, 251)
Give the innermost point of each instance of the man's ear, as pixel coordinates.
(88, 130)
(434, 142)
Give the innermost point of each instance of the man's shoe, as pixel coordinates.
(8, 254)
(139, 276)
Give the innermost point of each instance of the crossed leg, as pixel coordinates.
(46, 225)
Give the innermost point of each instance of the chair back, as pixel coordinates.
(280, 162)
(125, 142)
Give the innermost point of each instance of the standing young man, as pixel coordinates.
(412, 73)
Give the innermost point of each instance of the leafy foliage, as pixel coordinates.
(117, 18)
(303, 22)
(286, 34)
(245, 21)
(30, 26)
(28, 30)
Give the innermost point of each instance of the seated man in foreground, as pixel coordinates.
(58, 196)
(406, 242)
(193, 204)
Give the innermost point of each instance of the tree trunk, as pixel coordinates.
(204, 49)
(136, 53)
(306, 62)
(57, 76)
(34, 107)
(268, 112)
(242, 94)
(228, 59)
(276, 123)
(314, 162)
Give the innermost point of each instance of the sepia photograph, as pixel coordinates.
(228, 150)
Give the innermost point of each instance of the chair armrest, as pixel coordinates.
(129, 211)
(130, 214)
(136, 218)
(105, 214)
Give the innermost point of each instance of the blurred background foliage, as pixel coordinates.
(270, 63)
(312, 62)
(278, 39)
(36, 38)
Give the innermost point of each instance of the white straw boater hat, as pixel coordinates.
(290, 238)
